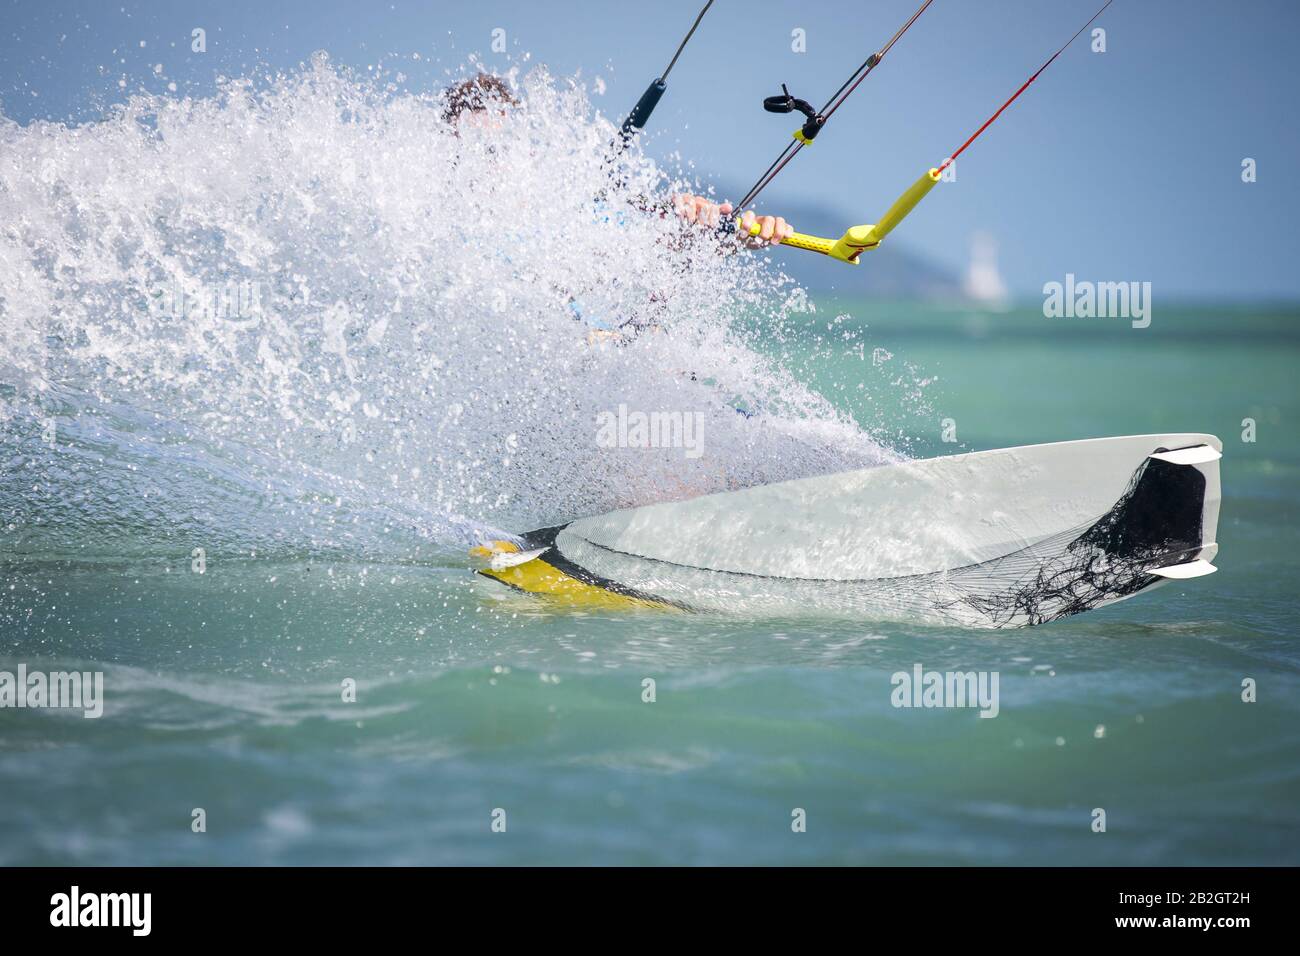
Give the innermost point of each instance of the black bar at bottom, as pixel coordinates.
(337, 904)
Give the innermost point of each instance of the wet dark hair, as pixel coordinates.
(476, 95)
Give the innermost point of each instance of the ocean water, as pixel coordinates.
(404, 387)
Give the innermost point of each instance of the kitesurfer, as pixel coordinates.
(484, 100)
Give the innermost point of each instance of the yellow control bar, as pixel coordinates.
(858, 239)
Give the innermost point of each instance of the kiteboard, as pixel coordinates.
(1002, 538)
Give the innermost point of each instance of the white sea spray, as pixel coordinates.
(303, 313)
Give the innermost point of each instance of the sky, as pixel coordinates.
(1123, 165)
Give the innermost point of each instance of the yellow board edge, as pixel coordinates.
(545, 580)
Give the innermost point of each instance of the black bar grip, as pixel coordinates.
(644, 107)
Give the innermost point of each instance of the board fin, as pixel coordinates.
(499, 562)
(1191, 455)
(504, 554)
(492, 548)
(1188, 569)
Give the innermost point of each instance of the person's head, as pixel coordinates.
(481, 100)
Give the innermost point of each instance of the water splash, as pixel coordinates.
(305, 315)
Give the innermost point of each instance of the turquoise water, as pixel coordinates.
(223, 688)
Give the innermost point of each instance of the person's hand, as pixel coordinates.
(771, 230)
(700, 211)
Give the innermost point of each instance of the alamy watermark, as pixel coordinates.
(1083, 299)
(238, 301)
(636, 429)
(71, 690)
(922, 688)
(130, 910)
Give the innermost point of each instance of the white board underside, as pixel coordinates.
(913, 518)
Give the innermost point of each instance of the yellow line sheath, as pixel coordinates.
(858, 239)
